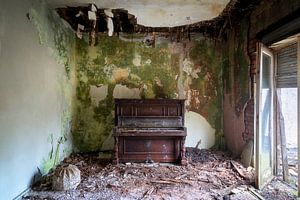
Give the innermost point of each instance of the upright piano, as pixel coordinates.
(149, 130)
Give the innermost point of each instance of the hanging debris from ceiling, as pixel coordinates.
(110, 25)
(92, 15)
(100, 20)
(93, 20)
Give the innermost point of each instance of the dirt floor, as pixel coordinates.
(209, 175)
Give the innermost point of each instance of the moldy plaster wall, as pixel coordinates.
(36, 87)
(236, 85)
(128, 68)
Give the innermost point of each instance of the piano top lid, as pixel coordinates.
(150, 99)
(117, 100)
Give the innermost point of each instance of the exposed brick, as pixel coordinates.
(249, 120)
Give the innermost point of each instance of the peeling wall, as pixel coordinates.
(37, 90)
(118, 68)
(236, 85)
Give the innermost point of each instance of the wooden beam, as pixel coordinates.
(275, 116)
(256, 114)
(288, 26)
(284, 157)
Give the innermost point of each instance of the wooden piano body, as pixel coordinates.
(149, 130)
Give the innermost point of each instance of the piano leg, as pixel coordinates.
(183, 157)
(116, 154)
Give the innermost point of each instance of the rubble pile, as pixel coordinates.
(209, 175)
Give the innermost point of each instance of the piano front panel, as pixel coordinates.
(149, 149)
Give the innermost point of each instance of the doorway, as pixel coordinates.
(277, 108)
(265, 127)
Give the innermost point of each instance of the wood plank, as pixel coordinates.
(256, 86)
(284, 157)
(275, 116)
(287, 29)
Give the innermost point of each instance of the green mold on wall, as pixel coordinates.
(111, 62)
(227, 82)
(209, 85)
(243, 70)
(237, 66)
(53, 33)
(54, 154)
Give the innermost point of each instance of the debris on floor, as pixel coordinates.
(209, 175)
(292, 166)
(279, 190)
(66, 177)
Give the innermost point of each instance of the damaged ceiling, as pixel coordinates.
(157, 13)
(175, 17)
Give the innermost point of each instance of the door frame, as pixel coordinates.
(257, 86)
(298, 116)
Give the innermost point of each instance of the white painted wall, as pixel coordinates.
(30, 99)
(198, 130)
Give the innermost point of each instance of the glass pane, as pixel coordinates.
(265, 120)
